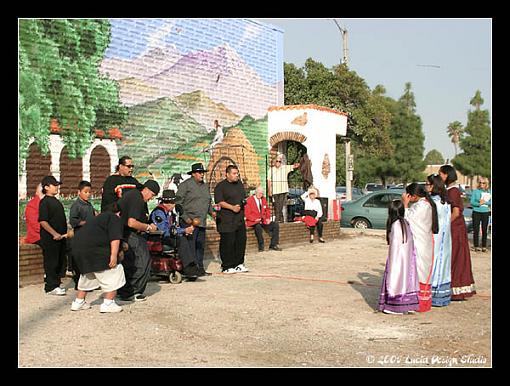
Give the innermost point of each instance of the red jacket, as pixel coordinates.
(252, 213)
(32, 220)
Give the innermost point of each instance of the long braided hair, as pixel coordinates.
(420, 191)
(396, 211)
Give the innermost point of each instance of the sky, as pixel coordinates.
(445, 60)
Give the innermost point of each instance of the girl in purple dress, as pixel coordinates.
(400, 288)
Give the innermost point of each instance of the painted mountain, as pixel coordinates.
(213, 72)
(157, 133)
(201, 108)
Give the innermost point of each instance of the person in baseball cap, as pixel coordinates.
(50, 180)
(152, 185)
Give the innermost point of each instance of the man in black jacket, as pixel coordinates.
(119, 183)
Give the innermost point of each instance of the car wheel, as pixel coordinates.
(361, 223)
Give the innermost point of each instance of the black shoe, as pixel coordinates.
(321, 240)
(203, 272)
(261, 249)
(191, 271)
(275, 248)
(139, 298)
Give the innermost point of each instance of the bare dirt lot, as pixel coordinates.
(312, 305)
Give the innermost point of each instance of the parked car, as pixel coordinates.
(341, 193)
(372, 187)
(369, 211)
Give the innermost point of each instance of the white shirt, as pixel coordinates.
(419, 216)
(314, 204)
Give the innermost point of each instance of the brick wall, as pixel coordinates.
(31, 269)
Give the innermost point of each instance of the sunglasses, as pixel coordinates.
(129, 166)
(278, 162)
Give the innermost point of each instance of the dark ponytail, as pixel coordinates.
(420, 191)
(396, 211)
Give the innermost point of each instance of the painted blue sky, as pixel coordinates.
(252, 40)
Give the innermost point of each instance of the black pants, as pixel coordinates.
(54, 259)
(191, 248)
(232, 247)
(137, 266)
(479, 217)
(319, 226)
(279, 201)
(274, 231)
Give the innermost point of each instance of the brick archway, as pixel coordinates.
(100, 166)
(280, 137)
(37, 166)
(71, 173)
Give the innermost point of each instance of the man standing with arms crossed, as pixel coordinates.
(229, 194)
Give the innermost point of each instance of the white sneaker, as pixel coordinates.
(230, 270)
(59, 291)
(241, 268)
(112, 307)
(392, 312)
(76, 306)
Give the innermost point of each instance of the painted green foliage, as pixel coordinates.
(59, 78)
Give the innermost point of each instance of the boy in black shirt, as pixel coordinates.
(80, 213)
(97, 250)
(53, 232)
(230, 195)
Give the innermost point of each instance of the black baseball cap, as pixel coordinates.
(50, 180)
(153, 186)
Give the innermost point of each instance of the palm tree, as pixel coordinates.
(455, 131)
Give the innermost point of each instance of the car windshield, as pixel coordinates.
(374, 187)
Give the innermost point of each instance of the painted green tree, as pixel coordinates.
(59, 78)
(475, 158)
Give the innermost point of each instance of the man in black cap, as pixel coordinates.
(52, 219)
(195, 200)
(137, 260)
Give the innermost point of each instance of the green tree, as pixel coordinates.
(408, 138)
(455, 132)
(476, 144)
(342, 89)
(64, 55)
(434, 157)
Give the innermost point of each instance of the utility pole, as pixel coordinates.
(349, 159)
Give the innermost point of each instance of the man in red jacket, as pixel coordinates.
(258, 216)
(32, 217)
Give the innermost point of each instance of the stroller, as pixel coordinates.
(164, 259)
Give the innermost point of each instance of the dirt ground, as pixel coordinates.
(311, 305)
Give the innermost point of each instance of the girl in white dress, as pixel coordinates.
(422, 217)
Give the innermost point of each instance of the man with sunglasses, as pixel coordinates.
(194, 200)
(118, 183)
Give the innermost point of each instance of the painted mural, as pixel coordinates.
(186, 80)
(195, 90)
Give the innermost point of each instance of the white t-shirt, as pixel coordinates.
(314, 204)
